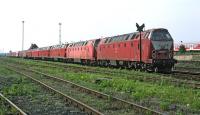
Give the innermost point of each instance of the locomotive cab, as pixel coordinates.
(162, 50)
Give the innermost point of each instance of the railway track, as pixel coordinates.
(31, 97)
(90, 69)
(189, 79)
(11, 104)
(109, 72)
(135, 107)
(189, 61)
(175, 78)
(188, 69)
(187, 75)
(67, 99)
(176, 73)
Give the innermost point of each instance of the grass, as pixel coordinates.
(17, 87)
(30, 96)
(160, 92)
(4, 110)
(84, 98)
(21, 89)
(139, 91)
(188, 64)
(126, 74)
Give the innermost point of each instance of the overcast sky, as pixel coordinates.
(90, 19)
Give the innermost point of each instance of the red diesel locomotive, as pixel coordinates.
(124, 50)
(121, 51)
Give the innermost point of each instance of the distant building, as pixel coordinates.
(188, 46)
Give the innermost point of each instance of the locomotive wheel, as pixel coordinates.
(156, 69)
(143, 67)
(129, 65)
(173, 68)
(135, 66)
(168, 70)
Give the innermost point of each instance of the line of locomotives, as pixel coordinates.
(120, 51)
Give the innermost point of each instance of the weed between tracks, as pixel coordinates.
(167, 96)
(12, 86)
(159, 95)
(109, 107)
(4, 109)
(126, 74)
(29, 96)
(188, 64)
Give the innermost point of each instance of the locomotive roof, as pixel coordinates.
(125, 37)
(156, 29)
(44, 48)
(80, 43)
(58, 46)
(118, 38)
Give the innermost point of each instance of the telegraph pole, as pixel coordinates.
(60, 33)
(140, 29)
(22, 35)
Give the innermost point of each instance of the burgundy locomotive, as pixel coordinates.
(121, 51)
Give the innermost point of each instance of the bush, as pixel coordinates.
(182, 49)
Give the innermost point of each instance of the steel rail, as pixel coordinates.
(89, 69)
(181, 67)
(187, 72)
(194, 85)
(99, 94)
(70, 100)
(187, 75)
(54, 65)
(97, 71)
(13, 105)
(177, 79)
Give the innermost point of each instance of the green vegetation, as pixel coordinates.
(182, 49)
(139, 91)
(108, 72)
(5, 110)
(159, 93)
(188, 64)
(188, 53)
(15, 85)
(19, 86)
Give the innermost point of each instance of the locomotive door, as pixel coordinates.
(138, 50)
(96, 43)
(137, 47)
(133, 51)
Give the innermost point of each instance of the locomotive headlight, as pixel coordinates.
(153, 54)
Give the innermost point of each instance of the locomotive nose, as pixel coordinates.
(162, 49)
(161, 54)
